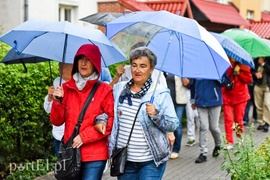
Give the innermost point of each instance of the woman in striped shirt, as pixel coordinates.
(148, 148)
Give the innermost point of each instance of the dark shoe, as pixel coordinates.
(216, 151)
(245, 123)
(265, 127)
(260, 127)
(201, 159)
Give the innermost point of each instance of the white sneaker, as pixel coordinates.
(174, 155)
(228, 147)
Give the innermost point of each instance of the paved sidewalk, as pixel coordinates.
(185, 168)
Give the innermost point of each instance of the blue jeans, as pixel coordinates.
(179, 109)
(56, 146)
(143, 171)
(93, 170)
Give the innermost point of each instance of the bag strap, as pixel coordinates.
(132, 125)
(85, 106)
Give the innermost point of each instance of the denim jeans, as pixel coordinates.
(179, 109)
(143, 171)
(93, 170)
(56, 146)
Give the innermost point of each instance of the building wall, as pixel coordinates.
(110, 6)
(12, 11)
(265, 5)
(10, 14)
(249, 5)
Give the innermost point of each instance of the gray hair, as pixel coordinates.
(143, 51)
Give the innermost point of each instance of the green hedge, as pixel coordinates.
(25, 129)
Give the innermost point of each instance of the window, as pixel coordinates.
(222, 1)
(250, 15)
(66, 13)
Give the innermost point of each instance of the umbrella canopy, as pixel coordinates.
(250, 41)
(101, 18)
(183, 47)
(234, 50)
(60, 41)
(14, 57)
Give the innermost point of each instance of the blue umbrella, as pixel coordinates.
(60, 41)
(234, 50)
(183, 47)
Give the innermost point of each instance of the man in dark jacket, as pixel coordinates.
(261, 78)
(207, 98)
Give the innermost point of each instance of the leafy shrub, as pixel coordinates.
(25, 129)
(247, 161)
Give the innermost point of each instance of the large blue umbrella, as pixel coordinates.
(234, 50)
(60, 41)
(183, 47)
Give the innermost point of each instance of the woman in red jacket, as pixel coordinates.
(235, 97)
(92, 143)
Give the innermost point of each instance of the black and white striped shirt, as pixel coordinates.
(138, 149)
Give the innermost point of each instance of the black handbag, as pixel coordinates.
(68, 164)
(119, 155)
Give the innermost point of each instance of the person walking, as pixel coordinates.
(192, 119)
(148, 148)
(235, 97)
(178, 93)
(92, 143)
(57, 131)
(262, 93)
(207, 98)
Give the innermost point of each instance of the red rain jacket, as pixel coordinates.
(239, 93)
(94, 143)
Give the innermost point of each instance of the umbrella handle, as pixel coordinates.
(59, 99)
(152, 99)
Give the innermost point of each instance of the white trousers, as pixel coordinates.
(192, 118)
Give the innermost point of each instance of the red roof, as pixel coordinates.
(261, 28)
(134, 5)
(220, 13)
(171, 6)
(265, 16)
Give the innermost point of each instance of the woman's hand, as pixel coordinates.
(77, 142)
(151, 109)
(101, 128)
(58, 93)
(50, 93)
(236, 69)
(193, 106)
(171, 138)
(120, 70)
(258, 75)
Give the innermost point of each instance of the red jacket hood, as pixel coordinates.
(92, 52)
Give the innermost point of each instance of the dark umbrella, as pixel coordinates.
(14, 57)
(101, 18)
